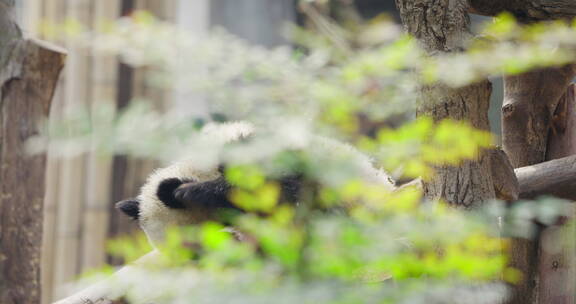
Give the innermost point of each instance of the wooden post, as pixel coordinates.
(557, 264)
(27, 79)
(51, 11)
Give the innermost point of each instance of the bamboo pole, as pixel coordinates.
(50, 11)
(71, 190)
(98, 185)
(32, 15)
(49, 242)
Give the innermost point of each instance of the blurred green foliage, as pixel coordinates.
(377, 246)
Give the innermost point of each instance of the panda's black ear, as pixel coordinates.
(130, 207)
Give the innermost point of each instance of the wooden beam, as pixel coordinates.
(526, 10)
(556, 177)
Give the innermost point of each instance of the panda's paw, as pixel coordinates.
(190, 193)
(166, 192)
(208, 194)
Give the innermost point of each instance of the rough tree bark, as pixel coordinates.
(526, 10)
(28, 76)
(530, 100)
(441, 26)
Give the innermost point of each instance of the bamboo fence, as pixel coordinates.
(79, 216)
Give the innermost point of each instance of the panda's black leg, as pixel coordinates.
(165, 192)
(209, 194)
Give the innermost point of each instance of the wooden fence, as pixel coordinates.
(79, 215)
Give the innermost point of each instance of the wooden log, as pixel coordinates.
(556, 177)
(27, 81)
(106, 291)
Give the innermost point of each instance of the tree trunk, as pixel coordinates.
(443, 27)
(28, 76)
(529, 103)
(526, 10)
(530, 100)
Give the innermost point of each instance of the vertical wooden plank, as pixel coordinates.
(99, 171)
(51, 11)
(32, 15)
(130, 173)
(557, 267)
(71, 191)
(49, 241)
(124, 93)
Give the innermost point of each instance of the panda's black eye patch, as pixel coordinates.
(130, 207)
(165, 192)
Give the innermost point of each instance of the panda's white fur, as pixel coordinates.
(155, 216)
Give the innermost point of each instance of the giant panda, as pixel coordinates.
(187, 192)
(190, 190)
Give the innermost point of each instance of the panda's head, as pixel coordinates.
(156, 207)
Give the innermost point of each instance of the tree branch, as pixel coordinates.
(526, 10)
(556, 177)
(114, 287)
